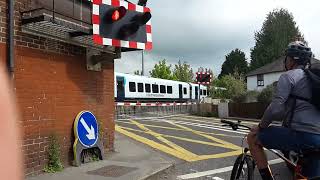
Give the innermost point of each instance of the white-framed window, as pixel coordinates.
(140, 87)
(169, 89)
(148, 88)
(162, 89)
(260, 80)
(132, 86)
(155, 88)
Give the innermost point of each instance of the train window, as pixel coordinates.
(162, 89)
(148, 88)
(132, 86)
(201, 92)
(155, 88)
(140, 87)
(169, 89)
(204, 92)
(184, 90)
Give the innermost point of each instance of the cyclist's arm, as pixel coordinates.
(277, 109)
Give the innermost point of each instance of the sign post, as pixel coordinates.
(203, 78)
(86, 132)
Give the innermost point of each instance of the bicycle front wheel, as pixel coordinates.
(243, 168)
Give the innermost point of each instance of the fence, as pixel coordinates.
(247, 110)
(140, 110)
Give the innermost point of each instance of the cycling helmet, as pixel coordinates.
(300, 52)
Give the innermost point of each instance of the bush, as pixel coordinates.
(235, 88)
(54, 163)
(266, 94)
(252, 96)
(239, 98)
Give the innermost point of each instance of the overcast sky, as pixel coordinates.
(202, 32)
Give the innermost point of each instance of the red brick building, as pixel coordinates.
(50, 77)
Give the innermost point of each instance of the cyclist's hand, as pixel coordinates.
(255, 130)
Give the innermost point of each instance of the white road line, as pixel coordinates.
(147, 118)
(217, 171)
(217, 178)
(211, 127)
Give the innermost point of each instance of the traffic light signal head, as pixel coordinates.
(121, 24)
(131, 28)
(115, 14)
(203, 78)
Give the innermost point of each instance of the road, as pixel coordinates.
(201, 147)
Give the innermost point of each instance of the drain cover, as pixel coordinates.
(112, 171)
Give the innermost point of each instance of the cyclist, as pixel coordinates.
(301, 119)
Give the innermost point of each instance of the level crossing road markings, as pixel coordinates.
(176, 129)
(202, 125)
(218, 171)
(174, 149)
(210, 119)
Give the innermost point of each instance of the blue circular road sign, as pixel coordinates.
(86, 128)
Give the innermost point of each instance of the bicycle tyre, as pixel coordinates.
(241, 160)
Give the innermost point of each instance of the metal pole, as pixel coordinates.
(142, 72)
(10, 45)
(199, 101)
(199, 93)
(53, 11)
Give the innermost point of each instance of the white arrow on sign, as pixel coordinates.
(91, 133)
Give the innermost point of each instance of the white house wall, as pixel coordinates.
(251, 83)
(268, 79)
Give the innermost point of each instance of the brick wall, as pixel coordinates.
(52, 86)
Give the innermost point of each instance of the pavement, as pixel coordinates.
(131, 161)
(200, 147)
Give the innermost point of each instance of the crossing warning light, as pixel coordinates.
(121, 24)
(115, 14)
(204, 78)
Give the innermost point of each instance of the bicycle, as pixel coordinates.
(244, 165)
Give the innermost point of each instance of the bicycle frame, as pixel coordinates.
(297, 168)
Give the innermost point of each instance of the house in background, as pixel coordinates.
(268, 74)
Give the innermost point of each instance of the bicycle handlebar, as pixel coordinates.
(233, 125)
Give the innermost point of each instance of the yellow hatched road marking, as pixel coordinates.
(178, 129)
(155, 145)
(216, 156)
(179, 138)
(175, 150)
(187, 153)
(226, 144)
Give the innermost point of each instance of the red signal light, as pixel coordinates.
(116, 15)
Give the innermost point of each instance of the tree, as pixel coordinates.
(235, 61)
(278, 30)
(183, 72)
(234, 88)
(162, 70)
(137, 72)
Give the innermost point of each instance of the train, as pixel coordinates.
(135, 88)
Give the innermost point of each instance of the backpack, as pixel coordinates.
(314, 78)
